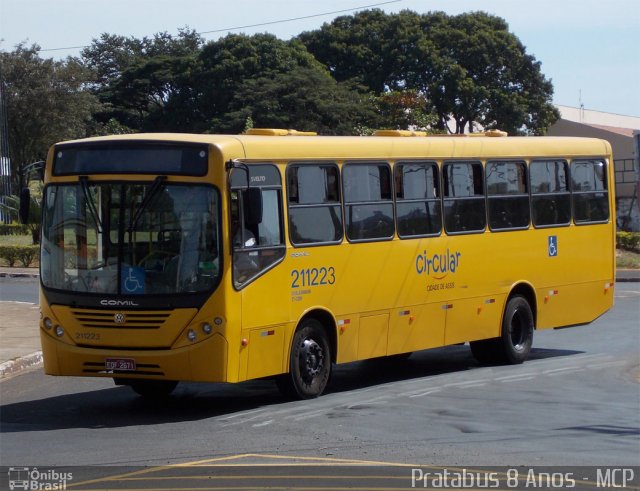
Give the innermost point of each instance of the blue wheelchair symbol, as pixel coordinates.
(133, 280)
(553, 245)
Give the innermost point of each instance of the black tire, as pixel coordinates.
(514, 344)
(153, 389)
(517, 331)
(309, 362)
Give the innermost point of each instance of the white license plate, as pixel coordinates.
(122, 364)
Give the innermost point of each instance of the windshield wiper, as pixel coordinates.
(84, 183)
(158, 183)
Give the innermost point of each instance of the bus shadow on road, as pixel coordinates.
(428, 363)
(119, 407)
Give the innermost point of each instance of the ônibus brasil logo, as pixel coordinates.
(28, 478)
(438, 265)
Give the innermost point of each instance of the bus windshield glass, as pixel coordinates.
(130, 238)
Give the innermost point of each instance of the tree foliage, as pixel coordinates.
(136, 79)
(46, 101)
(469, 68)
(231, 64)
(304, 98)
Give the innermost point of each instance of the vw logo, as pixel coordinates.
(119, 318)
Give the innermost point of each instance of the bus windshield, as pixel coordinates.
(130, 238)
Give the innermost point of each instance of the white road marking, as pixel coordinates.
(264, 423)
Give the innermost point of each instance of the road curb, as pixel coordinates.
(21, 363)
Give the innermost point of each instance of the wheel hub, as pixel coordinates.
(311, 358)
(517, 328)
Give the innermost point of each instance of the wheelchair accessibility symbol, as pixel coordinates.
(132, 280)
(553, 245)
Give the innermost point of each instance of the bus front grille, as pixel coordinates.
(120, 320)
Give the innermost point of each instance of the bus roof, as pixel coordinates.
(295, 147)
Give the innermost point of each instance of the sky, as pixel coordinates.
(590, 49)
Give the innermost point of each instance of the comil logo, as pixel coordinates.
(27, 478)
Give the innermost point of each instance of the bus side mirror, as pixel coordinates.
(253, 206)
(25, 204)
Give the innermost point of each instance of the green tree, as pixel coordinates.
(304, 98)
(46, 102)
(470, 69)
(490, 79)
(137, 79)
(404, 109)
(229, 63)
(156, 94)
(110, 55)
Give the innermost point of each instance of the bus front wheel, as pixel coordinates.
(309, 362)
(514, 344)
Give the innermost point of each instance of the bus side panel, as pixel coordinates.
(467, 291)
(575, 286)
(372, 336)
(265, 351)
(347, 339)
(415, 328)
(417, 320)
(475, 318)
(567, 305)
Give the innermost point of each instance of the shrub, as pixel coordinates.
(14, 229)
(628, 240)
(25, 254)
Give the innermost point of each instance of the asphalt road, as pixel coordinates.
(19, 289)
(576, 402)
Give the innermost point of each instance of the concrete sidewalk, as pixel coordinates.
(19, 324)
(19, 328)
(19, 337)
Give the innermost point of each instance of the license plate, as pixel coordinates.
(122, 364)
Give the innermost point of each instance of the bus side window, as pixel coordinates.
(368, 201)
(418, 208)
(257, 246)
(313, 192)
(508, 197)
(550, 197)
(464, 205)
(589, 191)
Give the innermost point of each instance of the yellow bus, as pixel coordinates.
(225, 258)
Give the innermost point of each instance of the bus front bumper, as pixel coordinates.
(205, 361)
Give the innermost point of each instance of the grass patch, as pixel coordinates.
(15, 240)
(627, 259)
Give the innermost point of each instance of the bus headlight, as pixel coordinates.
(59, 331)
(48, 323)
(206, 328)
(191, 335)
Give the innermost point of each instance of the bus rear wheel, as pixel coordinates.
(309, 362)
(514, 344)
